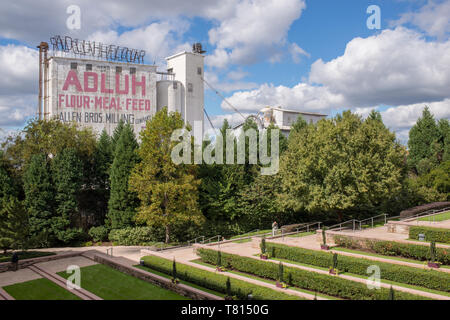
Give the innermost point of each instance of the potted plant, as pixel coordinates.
(219, 267)
(333, 269)
(324, 246)
(280, 281)
(391, 294)
(263, 254)
(174, 272)
(228, 296)
(433, 263)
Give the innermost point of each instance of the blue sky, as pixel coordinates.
(309, 55)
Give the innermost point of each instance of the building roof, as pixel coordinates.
(294, 111)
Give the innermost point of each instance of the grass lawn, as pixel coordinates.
(39, 289)
(302, 234)
(24, 255)
(439, 217)
(193, 285)
(381, 256)
(252, 234)
(110, 284)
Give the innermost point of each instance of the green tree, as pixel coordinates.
(116, 134)
(14, 227)
(123, 202)
(67, 174)
(168, 191)
(39, 199)
(422, 143)
(342, 166)
(103, 158)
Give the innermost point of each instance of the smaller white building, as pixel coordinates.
(284, 118)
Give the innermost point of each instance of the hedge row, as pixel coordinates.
(403, 274)
(396, 249)
(216, 282)
(132, 236)
(323, 283)
(436, 234)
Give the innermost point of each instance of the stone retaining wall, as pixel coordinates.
(165, 283)
(8, 266)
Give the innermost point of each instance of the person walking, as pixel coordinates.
(15, 261)
(274, 228)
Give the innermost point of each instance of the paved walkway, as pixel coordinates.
(310, 242)
(249, 251)
(381, 233)
(185, 256)
(5, 295)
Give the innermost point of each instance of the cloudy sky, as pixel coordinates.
(308, 55)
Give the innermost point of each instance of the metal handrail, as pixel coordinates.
(431, 211)
(341, 224)
(195, 240)
(209, 240)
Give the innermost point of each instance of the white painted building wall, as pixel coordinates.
(96, 103)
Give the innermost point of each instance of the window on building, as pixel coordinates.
(132, 70)
(73, 65)
(118, 69)
(175, 85)
(170, 70)
(199, 71)
(190, 87)
(89, 67)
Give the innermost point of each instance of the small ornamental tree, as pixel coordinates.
(263, 245)
(391, 294)
(433, 251)
(228, 284)
(324, 237)
(174, 270)
(280, 272)
(219, 259)
(335, 260)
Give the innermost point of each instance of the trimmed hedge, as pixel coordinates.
(216, 282)
(132, 236)
(431, 234)
(322, 283)
(395, 249)
(403, 274)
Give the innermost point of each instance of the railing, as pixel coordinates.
(371, 219)
(195, 240)
(165, 76)
(207, 241)
(340, 225)
(305, 228)
(425, 213)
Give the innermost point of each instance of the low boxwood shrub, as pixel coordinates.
(398, 273)
(322, 283)
(216, 282)
(99, 233)
(396, 249)
(431, 234)
(132, 236)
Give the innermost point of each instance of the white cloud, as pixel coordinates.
(405, 116)
(297, 52)
(16, 109)
(255, 30)
(20, 70)
(433, 18)
(302, 97)
(159, 39)
(395, 67)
